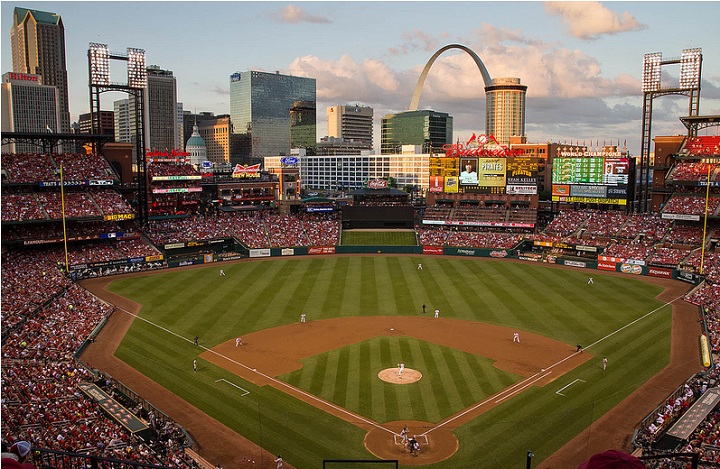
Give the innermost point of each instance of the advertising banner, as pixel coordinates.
(659, 272)
(259, 253)
(588, 191)
(521, 189)
(590, 200)
(631, 269)
(437, 184)
(491, 172)
(451, 185)
(321, 250)
(605, 265)
(438, 250)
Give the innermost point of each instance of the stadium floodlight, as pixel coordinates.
(99, 64)
(690, 62)
(137, 73)
(651, 72)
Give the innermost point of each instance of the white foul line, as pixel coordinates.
(233, 384)
(565, 387)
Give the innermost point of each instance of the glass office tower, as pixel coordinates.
(426, 128)
(260, 105)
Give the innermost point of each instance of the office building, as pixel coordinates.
(106, 120)
(303, 125)
(216, 134)
(27, 106)
(260, 112)
(349, 172)
(124, 121)
(427, 128)
(351, 123)
(180, 125)
(339, 146)
(161, 114)
(505, 109)
(38, 48)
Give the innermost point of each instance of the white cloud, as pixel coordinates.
(347, 80)
(568, 96)
(295, 14)
(590, 20)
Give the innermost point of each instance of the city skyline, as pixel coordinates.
(581, 61)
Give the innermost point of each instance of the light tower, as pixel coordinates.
(690, 66)
(99, 64)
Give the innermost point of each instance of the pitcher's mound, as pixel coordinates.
(408, 376)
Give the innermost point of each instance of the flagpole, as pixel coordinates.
(707, 195)
(62, 204)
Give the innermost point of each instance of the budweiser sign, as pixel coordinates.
(241, 171)
(482, 146)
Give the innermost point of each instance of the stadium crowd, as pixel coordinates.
(45, 320)
(46, 317)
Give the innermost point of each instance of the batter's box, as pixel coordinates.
(422, 439)
(245, 392)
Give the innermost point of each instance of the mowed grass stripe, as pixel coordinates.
(255, 296)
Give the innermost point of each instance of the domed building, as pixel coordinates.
(196, 147)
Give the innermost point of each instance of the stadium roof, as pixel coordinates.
(316, 199)
(379, 192)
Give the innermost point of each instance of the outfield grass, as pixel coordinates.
(261, 294)
(378, 238)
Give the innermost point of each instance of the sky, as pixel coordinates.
(581, 61)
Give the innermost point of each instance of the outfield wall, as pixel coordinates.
(602, 264)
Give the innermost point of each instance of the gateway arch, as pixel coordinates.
(423, 75)
(505, 98)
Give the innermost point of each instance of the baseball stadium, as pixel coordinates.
(314, 334)
(555, 311)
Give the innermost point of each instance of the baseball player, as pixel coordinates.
(516, 337)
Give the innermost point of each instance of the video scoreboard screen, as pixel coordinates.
(601, 180)
(518, 175)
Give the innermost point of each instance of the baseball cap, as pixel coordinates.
(21, 448)
(612, 459)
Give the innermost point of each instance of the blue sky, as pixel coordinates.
(581, 61)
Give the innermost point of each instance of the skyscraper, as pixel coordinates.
(260, 105)
(161, 113)
(38, 48)
(427, 128)
(351, 123)
(505, 109)
(303, 126)
(27, 106)
(124, 121)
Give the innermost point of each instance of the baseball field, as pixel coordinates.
(313, 391)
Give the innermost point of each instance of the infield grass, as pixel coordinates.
(261, 294)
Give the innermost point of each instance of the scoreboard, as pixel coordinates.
(518, 175)
(599, 180)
